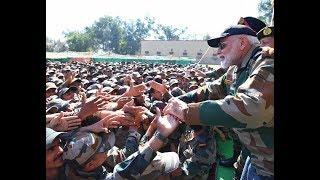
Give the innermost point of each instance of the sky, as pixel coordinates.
(201, 17)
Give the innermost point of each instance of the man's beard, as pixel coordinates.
(228, 59)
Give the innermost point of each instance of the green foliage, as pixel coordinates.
(119, 36)
(169, 33)
(265, 11)
(80, 42)
(107, 32)
(49, 45)
(55, 46)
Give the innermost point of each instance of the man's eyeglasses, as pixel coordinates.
(222, 45)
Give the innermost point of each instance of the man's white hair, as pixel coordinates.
(252, 40)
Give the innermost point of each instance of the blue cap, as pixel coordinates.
(232, 30)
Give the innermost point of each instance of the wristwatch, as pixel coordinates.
(159, 136)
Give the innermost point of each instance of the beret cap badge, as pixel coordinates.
(267, 31)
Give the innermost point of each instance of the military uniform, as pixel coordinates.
(197, 153)
(84, 145)
(215, 74)
(245, 103)
(120, 134)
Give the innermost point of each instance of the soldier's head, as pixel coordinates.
(266, 37)
(252, 22)
(87, 151)
(67, 93)
(233, 44)
(51, 89)
(53, 149)
(58, 105)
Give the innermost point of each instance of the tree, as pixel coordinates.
(165, 32)
(55, 45)
(134, 32)
(118, 36)
(59, 46)
(80, 42)
(265, 10)
(49, 45)
(107, 32)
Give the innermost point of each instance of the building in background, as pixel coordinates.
(181, 48)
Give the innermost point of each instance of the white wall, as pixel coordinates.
(192, 47)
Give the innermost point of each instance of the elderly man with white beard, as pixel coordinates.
(241, 99)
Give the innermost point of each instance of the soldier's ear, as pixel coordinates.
(243, 43)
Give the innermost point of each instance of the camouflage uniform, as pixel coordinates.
(197, 153)
(245, 103)
(84, 145)
(215, 74)
(120, 134)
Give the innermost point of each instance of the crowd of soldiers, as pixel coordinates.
(159, 121)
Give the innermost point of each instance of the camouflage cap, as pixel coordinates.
(50, 136)
(58, 104)
(173, 82)
(85, 144)
(50, 85)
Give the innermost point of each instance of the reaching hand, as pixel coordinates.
(56, 120)
(137, 90)
(68, 123)
(123, 101)
(176, 108)
(92, 106)
(166, 124)
(111, 121)
(134, 110)
(267, 52)
(157, 86)
(137, 111)
(123, 118)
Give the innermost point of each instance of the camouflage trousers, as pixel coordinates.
(162, 164)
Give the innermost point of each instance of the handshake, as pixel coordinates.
(131, 115)
(173, 115)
